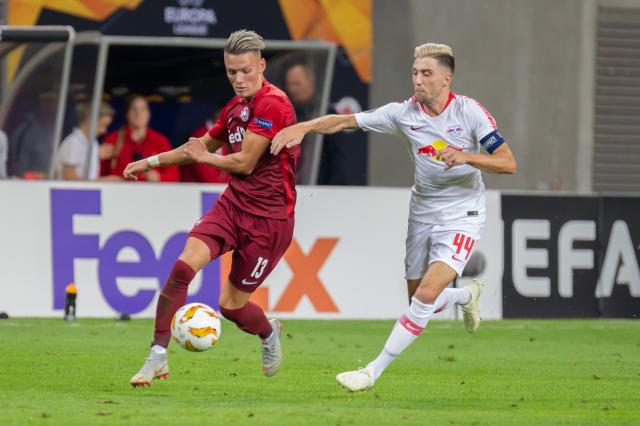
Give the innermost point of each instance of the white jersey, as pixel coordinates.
(440, 196)
(73, 152)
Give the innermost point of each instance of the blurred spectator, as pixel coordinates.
(72, 156)
(300, 85)
(31, 142)
(198, 172)
(4, 147)
(136, 141)
(343, 157)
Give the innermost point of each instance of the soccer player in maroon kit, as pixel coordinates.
(254, 216)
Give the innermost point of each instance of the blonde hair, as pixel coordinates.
(441, 52)
(83, 110)
(244, 41)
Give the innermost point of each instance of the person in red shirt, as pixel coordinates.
(254, 216)
(136, 141)
(200, 172)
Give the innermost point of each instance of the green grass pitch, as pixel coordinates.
(539, 372)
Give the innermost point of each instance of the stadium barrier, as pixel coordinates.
(552, 256)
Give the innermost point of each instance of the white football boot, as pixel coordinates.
(155, 366)
(471, 311)
(359, 380)
(271, 350)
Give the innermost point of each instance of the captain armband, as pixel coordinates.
(492, 141)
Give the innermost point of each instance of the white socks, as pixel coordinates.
(451, 296)
(158, 350)
(406, 330)
(411, 324)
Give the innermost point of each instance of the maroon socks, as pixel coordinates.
(172, 297)
(250, 319)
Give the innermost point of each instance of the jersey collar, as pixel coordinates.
(452, 95)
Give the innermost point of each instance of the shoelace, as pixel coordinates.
(268, 351)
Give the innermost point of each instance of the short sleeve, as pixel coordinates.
(380, 120)
(270, 114)
(484, 126)
(219, 130)
(70, 155)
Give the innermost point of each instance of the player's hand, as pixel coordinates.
(289, 137)
(196, 150)
(452, 157)
(132, 170)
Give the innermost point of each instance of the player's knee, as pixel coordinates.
(182, 272)
(231, 298)
(426, 294)
(195, 254)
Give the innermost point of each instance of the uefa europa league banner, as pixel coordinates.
(571, 256)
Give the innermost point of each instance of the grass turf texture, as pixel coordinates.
(511, 372)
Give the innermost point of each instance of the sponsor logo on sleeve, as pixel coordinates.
(267, 124)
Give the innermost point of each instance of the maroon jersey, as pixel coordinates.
(270, 190)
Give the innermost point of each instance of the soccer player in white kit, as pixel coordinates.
(444, 133)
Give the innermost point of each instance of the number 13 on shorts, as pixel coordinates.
(462, 243)
(258, 270)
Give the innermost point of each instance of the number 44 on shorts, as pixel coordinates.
(462, 242)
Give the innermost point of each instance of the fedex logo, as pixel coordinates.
(68, 246)
(237, 136)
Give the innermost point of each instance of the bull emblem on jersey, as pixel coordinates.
(431, 150)
(428, 150)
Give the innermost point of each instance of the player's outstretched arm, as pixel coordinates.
(243, 162)
(500, 161)
(175, 157)
(328, 124)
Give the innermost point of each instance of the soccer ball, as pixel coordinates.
(196, 327)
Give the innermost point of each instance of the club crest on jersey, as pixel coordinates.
(263, 123)
(244, 114)
(455, 131)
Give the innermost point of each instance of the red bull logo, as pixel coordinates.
(431, 151)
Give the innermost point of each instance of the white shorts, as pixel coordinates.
(452, 244)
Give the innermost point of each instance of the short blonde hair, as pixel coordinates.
(83, 111)
(441, 52)
(244, 41)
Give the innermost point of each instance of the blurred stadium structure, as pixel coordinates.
(120, 65)
(562, 79)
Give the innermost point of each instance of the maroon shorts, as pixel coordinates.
(258, 242)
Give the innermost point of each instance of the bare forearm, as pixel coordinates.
(177, 157)
(232, 163)
(330, 124)
(499, 164)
